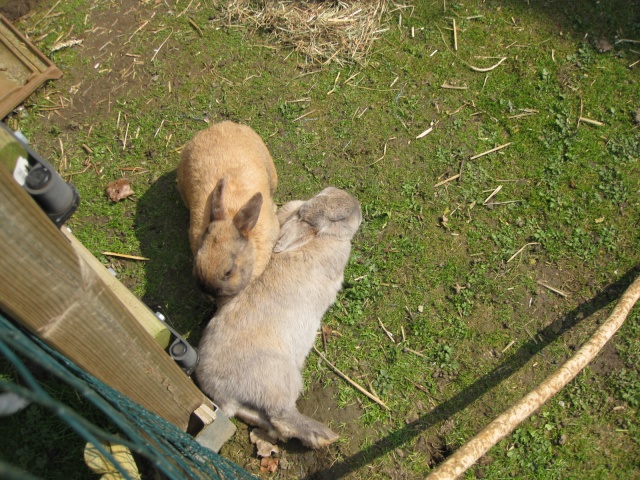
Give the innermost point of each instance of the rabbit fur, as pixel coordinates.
(253, 350)
(226, 177)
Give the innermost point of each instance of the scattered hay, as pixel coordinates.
(322, 31)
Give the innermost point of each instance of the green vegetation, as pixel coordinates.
(451, 271)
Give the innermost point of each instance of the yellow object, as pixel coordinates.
(99, 464)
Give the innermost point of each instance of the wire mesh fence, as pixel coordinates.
(170, 451)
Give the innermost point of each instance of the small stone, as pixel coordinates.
(603, 45)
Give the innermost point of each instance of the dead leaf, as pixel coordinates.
(458, 288)
(269, 465)
(328, 333)
(264, 443)
(119, 189)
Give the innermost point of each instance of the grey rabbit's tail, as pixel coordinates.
(293, 424)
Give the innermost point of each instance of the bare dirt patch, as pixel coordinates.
(297, 461)
(14, 9)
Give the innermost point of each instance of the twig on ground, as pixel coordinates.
(555, 290)
(157, 50)
(521, 249)
(455, 36)
(408, 350)
(351, 382)
(595, 123)
(526, 112)
(124, 141)
(457, 109)
(124, 255)
(426, 132)
(476, 69)
(185, 10)
(303, 115)
(509, 345)
(61, 148)
(384, 329)
(504, 424)
(453, 87)
(335, 84)
(580, 116)
(144, 24)
(67, 44)
(195, 25)
(409, 312)
(490, 151)
(46, 15)
(447, 180)
(423, 389)
(159, 128)
(492, 204)
(324, 340)
(384, 152)
(488, 69)
(494, 193)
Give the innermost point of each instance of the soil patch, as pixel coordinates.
(14, 9)
(297, 461)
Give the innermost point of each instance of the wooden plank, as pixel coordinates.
(138, 310)
(52, 290)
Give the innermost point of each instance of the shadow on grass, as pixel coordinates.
(161, 225)
(483, 385)
(596, 18)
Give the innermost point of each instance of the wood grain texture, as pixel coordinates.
(139, 310)
(49, 288)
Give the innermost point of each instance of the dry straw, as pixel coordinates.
(323, 32)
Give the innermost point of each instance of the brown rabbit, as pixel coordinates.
(253, 350)
(226, 177)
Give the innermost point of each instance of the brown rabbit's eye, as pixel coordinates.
(228, 273)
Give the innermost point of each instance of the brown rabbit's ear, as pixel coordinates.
(217, 205)
(294, 234)
(247, 216)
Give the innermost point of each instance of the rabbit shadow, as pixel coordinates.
(161, 226)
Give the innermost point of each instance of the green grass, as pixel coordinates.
(434, 262)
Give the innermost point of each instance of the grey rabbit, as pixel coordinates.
(253, 350)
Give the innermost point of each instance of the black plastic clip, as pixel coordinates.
(184, 354)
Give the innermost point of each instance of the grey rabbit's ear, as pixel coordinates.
(247, 216)
(217, 205)
(286, 211)
(294, 234)
(330, 205)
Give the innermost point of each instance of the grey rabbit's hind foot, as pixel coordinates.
(293, 424)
